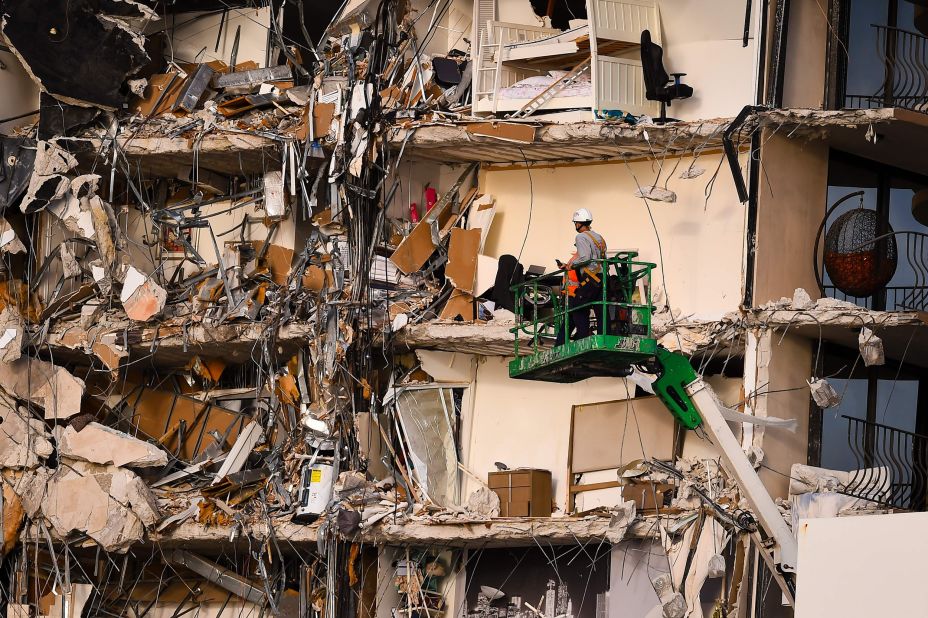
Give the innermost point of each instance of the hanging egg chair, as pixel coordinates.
(860, 253)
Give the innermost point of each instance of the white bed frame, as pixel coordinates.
(617, 82)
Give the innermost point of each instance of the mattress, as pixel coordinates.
(531, 87)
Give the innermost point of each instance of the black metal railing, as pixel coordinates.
(895, 298)
(904, 58)
(892, 465)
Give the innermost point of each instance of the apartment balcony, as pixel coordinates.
(903, 61)
(892, 465)
(861, 258)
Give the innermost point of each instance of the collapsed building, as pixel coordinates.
(270, 270)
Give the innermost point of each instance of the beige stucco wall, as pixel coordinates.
(804, 78)
(527, 424)
(702, 241)
(787, 397)
(791, 204)
(695, 38)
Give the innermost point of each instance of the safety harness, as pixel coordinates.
(601, 245)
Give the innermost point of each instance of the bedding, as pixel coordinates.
(531, 87)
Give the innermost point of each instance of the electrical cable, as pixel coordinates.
(531, 203)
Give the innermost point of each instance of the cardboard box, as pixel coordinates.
(522, 493)
(644, 495)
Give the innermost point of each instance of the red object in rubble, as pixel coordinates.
(414, 213)
(431, 198)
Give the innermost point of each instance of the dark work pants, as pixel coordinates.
(579, 319)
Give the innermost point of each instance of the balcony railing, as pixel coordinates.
(897, 298)
(904, 59)
(892, 465)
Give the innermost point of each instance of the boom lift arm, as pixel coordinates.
(694, 404)
(623, 340)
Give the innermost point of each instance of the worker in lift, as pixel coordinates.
(587, 280)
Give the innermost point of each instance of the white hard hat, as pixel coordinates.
(582, 216)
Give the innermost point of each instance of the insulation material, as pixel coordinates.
(823, 393)
(461, 270)
(871, 348)
(12, 520)
(274, 201)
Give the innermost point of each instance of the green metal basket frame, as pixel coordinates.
(599, 354)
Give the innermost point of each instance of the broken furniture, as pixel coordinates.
(518, 63)
(524, 492)
(658, 85)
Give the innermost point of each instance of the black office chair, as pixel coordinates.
(657, 84)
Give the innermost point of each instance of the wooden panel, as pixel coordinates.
(157, 413)
(623, 20)
(611, 434)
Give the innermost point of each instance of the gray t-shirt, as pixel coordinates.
(589, 249)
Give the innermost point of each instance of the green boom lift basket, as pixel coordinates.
(623, 340)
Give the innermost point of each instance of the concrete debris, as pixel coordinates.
(659, 194)
(141, 297)
(483, 502)
(9, 242)
(48, 386)
(11, 334)
(48, 182)
(99, 444)
(87, 58)
(673, 603)
(24, 443)
(111, 505)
